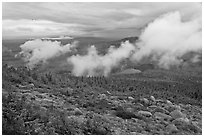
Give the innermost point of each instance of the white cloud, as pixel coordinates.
(136, 12)
(95, 64)
(33, 28)
(80, 18)
(164, 41)
(40, 51)
(168, 38)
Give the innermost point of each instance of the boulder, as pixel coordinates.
(130, 98)
(188, 105)
(171, 128)
(160, 109)
(130, 109)
(181, 121)
(134, 120)
(182, 105)
(160, 101)
(77, 111)
(113, 97)
(144, 132)
(144, 101)
(153, 99)
(77, 119)
(145, 113)
(173, 107)
(31, 85)
(169, 103)
(152, 107)
(108, 92)
(139, 106)
(177, 114)
(115, 103)
(21, 86)
(133, 133)
(162, 116)
(103, 97)
(124, 114)
(35, 92)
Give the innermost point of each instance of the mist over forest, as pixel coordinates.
(98, 70)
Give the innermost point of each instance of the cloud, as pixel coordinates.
(164, 41)
(105, 16)
(57, 38)
(38, 28)
(94, 64)
(168, 38)
(39, 51)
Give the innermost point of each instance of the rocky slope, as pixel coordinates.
(33, 108)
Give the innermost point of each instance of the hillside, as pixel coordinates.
(104, 68)
(151, 102)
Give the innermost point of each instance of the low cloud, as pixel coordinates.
(93, 64)
(164, 41)
(167, 39)
(39, 51)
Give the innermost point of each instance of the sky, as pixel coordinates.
(110, 20)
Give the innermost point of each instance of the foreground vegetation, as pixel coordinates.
(58, 103)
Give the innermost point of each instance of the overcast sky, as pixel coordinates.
(114, 20)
